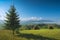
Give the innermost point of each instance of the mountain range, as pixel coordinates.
(32, 22)
(37, 22)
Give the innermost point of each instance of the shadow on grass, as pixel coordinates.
(35, 37)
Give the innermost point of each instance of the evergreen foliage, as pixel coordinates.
(12, 19)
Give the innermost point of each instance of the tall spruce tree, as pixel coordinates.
(12, 19)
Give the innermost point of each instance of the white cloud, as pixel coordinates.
(31, 18)
(2, 14)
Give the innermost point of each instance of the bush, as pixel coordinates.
(36, 27)
(51, 27)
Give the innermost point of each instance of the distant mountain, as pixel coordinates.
(31, 22)
(37, 22)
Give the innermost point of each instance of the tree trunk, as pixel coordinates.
(13, 35)
(13, 32)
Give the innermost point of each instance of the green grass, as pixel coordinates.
(7, 35)
(49, 33)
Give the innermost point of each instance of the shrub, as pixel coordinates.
(51, 27)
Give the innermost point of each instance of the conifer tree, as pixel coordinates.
(12, 19)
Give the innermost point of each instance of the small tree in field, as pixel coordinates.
(12, 19)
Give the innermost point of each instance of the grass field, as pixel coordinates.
(50, 33)
(42, 34)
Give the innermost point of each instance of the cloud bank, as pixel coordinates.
(31, 18)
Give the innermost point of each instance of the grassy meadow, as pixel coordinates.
(42, 34)
(50, 33)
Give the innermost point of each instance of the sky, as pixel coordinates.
(33, 9)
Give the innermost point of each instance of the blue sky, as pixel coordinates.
(43, 9)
